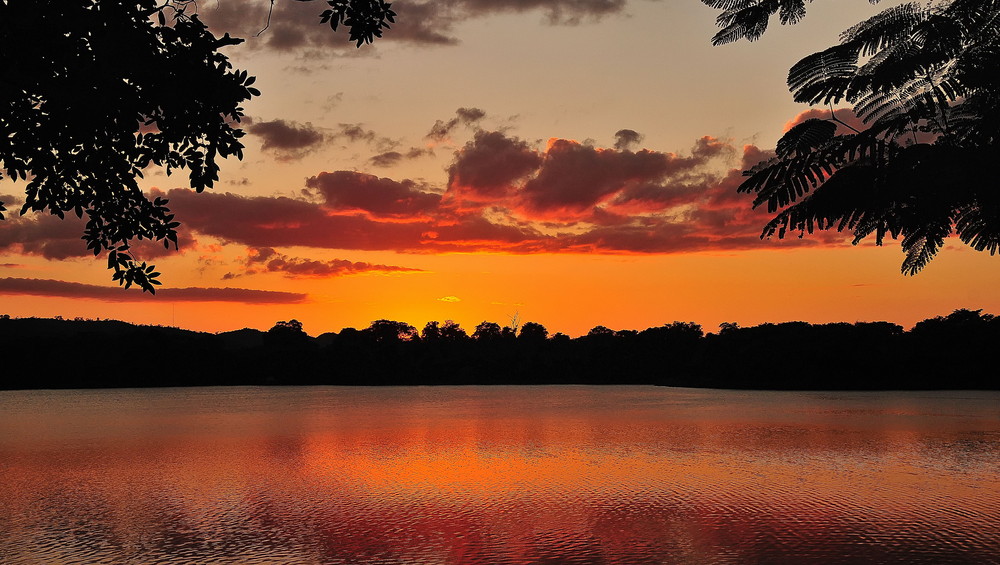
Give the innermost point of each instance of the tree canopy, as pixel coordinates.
(924, 79)
(96, 91)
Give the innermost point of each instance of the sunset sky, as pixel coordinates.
(573, 162)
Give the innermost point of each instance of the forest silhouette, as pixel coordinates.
(945, 352)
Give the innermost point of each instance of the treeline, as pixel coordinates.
(956, 351)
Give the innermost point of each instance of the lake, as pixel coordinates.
(454, 475)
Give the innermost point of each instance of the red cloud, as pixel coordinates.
(64, 289)
(504, 195)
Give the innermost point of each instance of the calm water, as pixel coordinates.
(588, 475)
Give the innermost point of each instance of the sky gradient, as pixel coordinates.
(571, 161)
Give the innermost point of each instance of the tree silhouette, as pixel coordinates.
(390, 331)
(286, 334)
(487, 331)
(291, 326)
(452, 331)
(431, 332)
(925, 80)
(95, 92)
(600, 332)
(533, 331)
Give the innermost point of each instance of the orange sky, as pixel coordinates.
(580, 174)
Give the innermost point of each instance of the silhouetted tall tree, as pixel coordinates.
(925, 80)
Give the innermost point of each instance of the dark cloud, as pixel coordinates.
(491, 163)
(392, 158)
(284, 222)
(357, 133)
(381, 197)
(627, 139)
(268, 260)
(295, 25)
(288, 140)
(558, 12)
(48, 236)
(64, 289)
(441, 130)
(387, 159)
(574, 178)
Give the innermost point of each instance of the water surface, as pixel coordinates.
(450, 475)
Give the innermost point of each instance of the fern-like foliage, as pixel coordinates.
(748, 19)
(925, 79)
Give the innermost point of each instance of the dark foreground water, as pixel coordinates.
(551, 475)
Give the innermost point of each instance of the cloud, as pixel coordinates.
(64, 289)
(347, 191)
(268, 260)
(387, 159)
(287, 140)
(295, 25)
(491, 164)
(507, 195)
(332, 101)
(357, 133)
(627, 139)
(283, 222)
(468, 117)
(574, 179)
(392, 158)
(48, 236)
(449, 299)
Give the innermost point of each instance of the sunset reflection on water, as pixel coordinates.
(498, 475)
